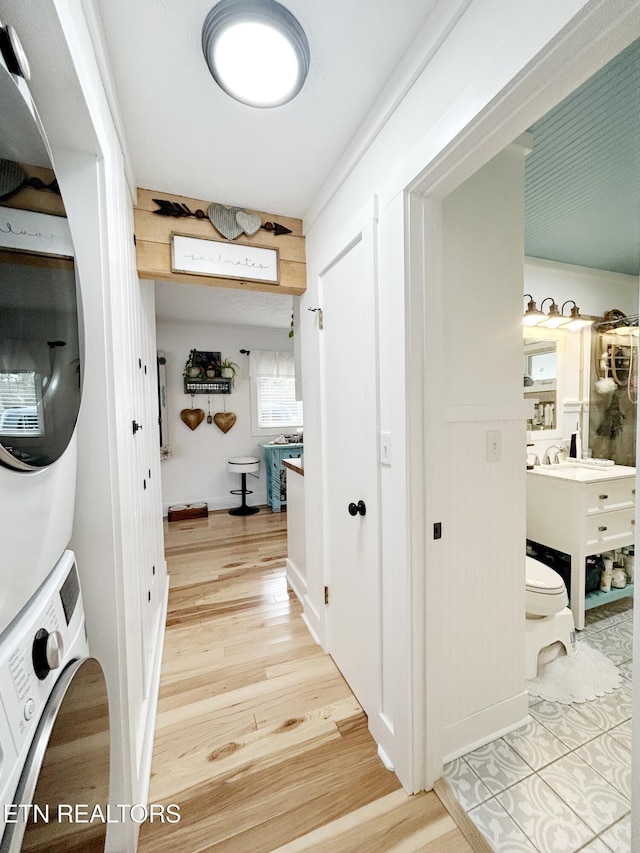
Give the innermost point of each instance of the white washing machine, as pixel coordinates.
(54, 725)
(41, 356)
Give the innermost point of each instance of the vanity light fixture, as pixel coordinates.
(256, 51)
(554, 317)
(532, 316)
(576, 320)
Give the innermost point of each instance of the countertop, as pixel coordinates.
(576, 472)
(294, 465)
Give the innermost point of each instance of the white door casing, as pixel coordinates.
(348, 350)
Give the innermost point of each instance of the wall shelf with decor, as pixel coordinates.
(219, 385)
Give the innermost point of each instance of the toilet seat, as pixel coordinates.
(546, 593)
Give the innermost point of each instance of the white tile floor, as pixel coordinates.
(563, 782)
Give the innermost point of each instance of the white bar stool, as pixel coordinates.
(243, 465)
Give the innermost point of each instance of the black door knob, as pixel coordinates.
(359, 508)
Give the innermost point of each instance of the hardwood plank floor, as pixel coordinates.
(259, 739)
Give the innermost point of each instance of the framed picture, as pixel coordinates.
(221, 259)
(39, 233)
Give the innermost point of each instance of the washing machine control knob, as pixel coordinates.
(48, 648)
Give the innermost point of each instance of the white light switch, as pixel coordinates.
(494, 445)
(385, 448)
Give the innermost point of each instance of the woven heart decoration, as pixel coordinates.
(224, 420)
(192, 417)
(224, 220)
(249, 222)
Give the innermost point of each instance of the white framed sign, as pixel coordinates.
(41, 233)
(222, 259)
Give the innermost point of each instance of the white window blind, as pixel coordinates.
(276, 403)
(19, 411)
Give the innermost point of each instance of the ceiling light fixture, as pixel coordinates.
(576, 320)
(256, 51)
(532, 316)
(554, 317)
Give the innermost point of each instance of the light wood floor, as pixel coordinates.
(259, 740)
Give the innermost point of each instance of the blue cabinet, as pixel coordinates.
(277, 473)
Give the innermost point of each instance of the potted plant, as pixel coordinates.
(228, 369)
(192, 367)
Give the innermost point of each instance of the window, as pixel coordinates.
(19, 412)
(275, 408)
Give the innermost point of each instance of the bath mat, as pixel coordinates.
(578, 678)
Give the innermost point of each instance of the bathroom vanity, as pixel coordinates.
(582, 510)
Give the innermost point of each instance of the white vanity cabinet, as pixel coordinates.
(582, 510)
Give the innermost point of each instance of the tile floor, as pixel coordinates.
(563, 782)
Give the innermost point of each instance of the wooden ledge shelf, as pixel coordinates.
(153, 245)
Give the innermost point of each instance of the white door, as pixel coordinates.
(350, 467)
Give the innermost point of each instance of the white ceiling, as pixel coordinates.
(582, 180)
(186, 136)
(195, 303)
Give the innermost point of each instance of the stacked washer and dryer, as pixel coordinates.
(54, 723)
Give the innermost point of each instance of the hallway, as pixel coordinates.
(259, 739)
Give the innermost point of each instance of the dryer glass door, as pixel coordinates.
(40, 367)
(64, 788)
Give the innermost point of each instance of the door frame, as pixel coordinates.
(598, 32)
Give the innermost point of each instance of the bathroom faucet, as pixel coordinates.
(546, 459)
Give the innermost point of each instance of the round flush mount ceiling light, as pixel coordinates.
(256, 51)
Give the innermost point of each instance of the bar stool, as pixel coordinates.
(243, 465)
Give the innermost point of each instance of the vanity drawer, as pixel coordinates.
(610, 495)
(611, 529)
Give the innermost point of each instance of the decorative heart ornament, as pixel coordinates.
(192, 417)
(249, 222)
(224, 420)
(224, 220)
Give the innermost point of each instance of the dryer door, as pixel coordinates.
(40, 367)
(62, 796)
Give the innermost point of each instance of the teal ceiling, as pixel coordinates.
(582, 190)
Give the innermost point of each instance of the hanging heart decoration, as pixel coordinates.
(249, 222)
(224, 420)
(223, 220)
(192, 417)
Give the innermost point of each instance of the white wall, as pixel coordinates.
(197, 469)
(481, 555)
(475, 52)
(594, 291)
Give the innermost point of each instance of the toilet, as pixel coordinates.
(549, 619)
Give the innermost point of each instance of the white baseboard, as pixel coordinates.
(310, 628)
(489, 724)
(224, 502)
(296, 581)
(312, 620)
(382, 755)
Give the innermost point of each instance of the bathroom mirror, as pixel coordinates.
(541, 382)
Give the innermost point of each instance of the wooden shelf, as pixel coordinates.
(596, 598)
(217, 385)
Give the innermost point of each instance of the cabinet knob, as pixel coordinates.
(603, 497)
(601, 529)
(633, 491)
